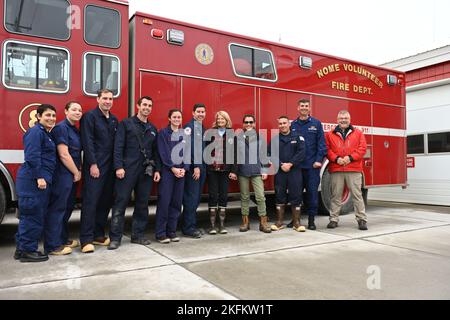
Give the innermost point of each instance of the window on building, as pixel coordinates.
(102, 27)
(416, 144)
(101, 72)
(32, 67)
(439, 142)
(41, 18)
(253, 62)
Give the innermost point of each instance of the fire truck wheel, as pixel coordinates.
(2, 203)
(325, 197)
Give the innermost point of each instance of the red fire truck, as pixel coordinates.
(88, 45)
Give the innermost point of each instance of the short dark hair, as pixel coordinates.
(283, 117)
(303, 100)
(44, 107)
(248, 116)
(198, 105)
(172, 111)
(102, 91)
(70, 103)
(142, 98)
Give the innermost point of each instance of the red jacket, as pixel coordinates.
(354, 146)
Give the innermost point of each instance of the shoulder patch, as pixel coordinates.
(187, 131)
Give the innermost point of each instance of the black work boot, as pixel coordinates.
(35, 256)
(362, 225)
(311, 224)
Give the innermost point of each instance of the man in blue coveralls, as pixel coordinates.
(137, 165)
(288, 154)
(98, 129)
(196, 175)
(311, 130)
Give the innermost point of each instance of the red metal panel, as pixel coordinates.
(164, 90)
(200, 91)
(389, 117)
(237, 100)
(363, 81)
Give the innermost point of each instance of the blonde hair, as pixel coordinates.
(224, 115)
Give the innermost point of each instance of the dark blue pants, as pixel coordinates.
(97, 201)
(136, 180)
(59, 211)
(218, 188)
(170, 197)
(288, 181)
(311, 181)
(33, 204)
(191, 200)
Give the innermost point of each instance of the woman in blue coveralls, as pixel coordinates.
(171, 185)
(34, 180)
(67, 173)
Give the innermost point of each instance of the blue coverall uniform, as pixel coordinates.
(128, 156)
(291, 148)
(40, 162)
(97, 140)
(62, 197)
(193, 188)
(170, 188)
(316, 149)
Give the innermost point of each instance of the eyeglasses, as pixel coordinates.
(248, 122)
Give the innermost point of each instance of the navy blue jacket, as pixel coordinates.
(195, 130)
(166, 145)
(127, 151)
(311, 130)
(97, 138)
(248, 162)
(66, 133)
(40, 155)
(291, 149)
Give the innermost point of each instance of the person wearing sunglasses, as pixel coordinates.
(248, 168)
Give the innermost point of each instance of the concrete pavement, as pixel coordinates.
(405, 254)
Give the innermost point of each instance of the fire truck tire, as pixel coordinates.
(325, 197)
(2, 203)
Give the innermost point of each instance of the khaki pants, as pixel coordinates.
(353, 180)
(258, 188)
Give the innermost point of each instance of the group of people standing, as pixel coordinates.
(120, 158)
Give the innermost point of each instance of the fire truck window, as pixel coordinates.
(102, 27)
(252, 62)
(31, 17)
(36, 68)
(263, 65)
(416, 144)
(101, 72)
(439, 142)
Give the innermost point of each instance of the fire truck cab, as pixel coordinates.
(56, 51)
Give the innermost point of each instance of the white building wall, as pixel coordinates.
(428, 111)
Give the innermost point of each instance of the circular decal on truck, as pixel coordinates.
(204, 54)
(27, 116)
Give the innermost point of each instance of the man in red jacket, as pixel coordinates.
(346, 149)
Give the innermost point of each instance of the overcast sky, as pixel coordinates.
(367, 31)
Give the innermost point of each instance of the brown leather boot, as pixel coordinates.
(245, 226)
(280, 217)
(212, 218)
(263, 225)
(296, 219)
(222, 214)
